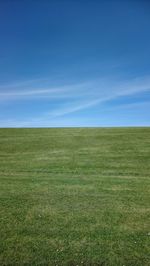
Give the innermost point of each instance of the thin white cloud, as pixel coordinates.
(65, 121)
(20, 84)
(74, 108)
(77, 97)
(120, 90)
(33, 92)
(93, 88)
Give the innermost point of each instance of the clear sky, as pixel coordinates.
(74, 63)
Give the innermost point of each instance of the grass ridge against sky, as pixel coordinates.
(74, 63)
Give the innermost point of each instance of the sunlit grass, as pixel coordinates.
(75, 196)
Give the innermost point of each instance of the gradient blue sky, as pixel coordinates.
(74, 63)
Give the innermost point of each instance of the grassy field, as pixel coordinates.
(75, 196)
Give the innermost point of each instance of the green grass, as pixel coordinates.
(75, 196)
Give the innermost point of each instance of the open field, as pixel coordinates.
(75, 196)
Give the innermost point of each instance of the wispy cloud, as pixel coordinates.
(26, 90)
(79, 121)
(102, 93)
(92, 88)
(74, 108)
(76, 97)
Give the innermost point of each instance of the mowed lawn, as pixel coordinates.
(78, 196)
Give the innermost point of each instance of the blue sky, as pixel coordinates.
(74, 63)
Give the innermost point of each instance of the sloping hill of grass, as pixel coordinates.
(75, 196)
